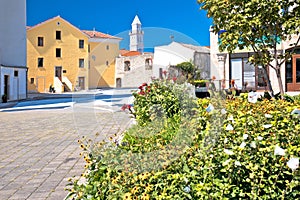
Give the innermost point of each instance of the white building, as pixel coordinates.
(235, 66)
(136, 36)
(175, 53)
(13, 70)
(134, 66)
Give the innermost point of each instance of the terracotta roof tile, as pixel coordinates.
(97, 34)
(130, 53)
(123, 51)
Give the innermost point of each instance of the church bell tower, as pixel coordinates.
(136, 36)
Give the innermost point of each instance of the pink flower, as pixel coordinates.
(141, 93)
(124, 107)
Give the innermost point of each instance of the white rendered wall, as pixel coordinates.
(17, 85)
(172, 54)
(13, 32)
(219, 62)
(13, 47)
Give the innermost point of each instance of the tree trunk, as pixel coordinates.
(278, 73)
(268, 82)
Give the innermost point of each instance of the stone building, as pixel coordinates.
(134, 66)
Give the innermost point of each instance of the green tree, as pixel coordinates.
(257, 25)
(187, 68)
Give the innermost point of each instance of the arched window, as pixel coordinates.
(127, 66)
(148, 64)
(118, 82)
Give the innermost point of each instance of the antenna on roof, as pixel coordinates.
(94, 31)
(172, 38)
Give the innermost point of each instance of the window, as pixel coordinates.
(249, 74)
(58, 35)
(107, 63)
(261, 77)
(40, 41)
(58, 53)
(81, 63)
(81, 44)
(31, 80)
(107, 47)
(289, 71)
(89, 48)
(246, 75)
(40, 62)
(148, 64)
(127, 66)
(16, 73)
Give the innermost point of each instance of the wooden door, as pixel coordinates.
(293, 80)
(58, 72)
(81, 83)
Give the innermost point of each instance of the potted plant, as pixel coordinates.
(201, 88)
(200, 84)
(4, 98)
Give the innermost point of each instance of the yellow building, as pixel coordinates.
(61, 56)
(104, 49)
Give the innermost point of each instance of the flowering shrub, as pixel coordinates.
(255, 154)
(158, 99)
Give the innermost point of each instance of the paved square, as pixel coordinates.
(39, 149)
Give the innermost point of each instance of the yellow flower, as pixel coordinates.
(148, 188)
(144, 176)
(127, 196)
(145, 196)
(135, 190)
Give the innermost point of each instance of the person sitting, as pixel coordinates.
(51, 89)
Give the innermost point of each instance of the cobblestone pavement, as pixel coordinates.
(39, 149)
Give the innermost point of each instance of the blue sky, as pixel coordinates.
(160, 18)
